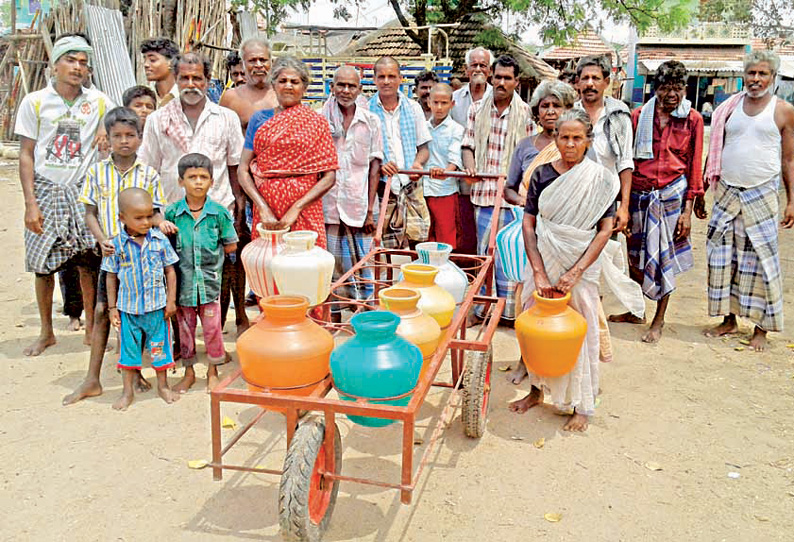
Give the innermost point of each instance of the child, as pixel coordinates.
(441, 193)
(140, 304)
(140, 99)
(103, 184)
(204, 234)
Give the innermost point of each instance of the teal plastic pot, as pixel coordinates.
(376, 363)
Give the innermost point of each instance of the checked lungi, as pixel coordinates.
(504, 288)
(64, 231)
(349, 245)
(744, 276)
(652, 247)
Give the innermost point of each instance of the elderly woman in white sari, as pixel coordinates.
(568, 220)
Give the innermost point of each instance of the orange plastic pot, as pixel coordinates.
(285, 352)
(550, 335)
(434, 300)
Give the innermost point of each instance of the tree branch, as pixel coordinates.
(406, 24)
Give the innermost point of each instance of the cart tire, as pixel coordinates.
(305, 500)
(476, 392)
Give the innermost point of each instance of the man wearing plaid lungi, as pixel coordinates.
(751, 148)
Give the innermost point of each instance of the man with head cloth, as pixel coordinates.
(256, 93)
(751, 149)
(58, 127)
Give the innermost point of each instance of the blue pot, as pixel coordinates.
(376, 363)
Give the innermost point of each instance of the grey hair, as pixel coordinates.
(346, 67)
(762, 55)
(564, 92)
(477, 50)
(256, 40)
(578, 115)
(290, 63)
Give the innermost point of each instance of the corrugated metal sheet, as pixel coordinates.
(111, 60)
(787, 66)
(699, 66)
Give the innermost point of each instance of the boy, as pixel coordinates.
(441, 193)
(142, 100)
(158, 54)
(204, 235)
(139, 303)
(101, 188)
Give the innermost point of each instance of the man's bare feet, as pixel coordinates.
(89, 388)
(473, 320)
(141, 384)
(729, 326)
(534, 398)
(187, 381)
(758, 341)
(653, 335)
(39, 346)
(124, 402)
(167, 395)
(517, 375)
(242, 328)
(74, 324)
(577, 423)
(625, 318)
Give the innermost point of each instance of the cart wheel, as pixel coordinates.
(476, 392)
(306, 499)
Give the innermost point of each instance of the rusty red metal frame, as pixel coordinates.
(479, 270)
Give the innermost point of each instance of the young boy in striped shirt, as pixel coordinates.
(141, 283)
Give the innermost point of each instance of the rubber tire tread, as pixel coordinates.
(293, 496)
(473, 393)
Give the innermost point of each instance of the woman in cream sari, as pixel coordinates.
(568, 220)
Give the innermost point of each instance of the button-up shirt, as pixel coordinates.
(483, 193)
(394, 137)
(104, 182)
(140, 270)
(199, 244)
(217, 136)
(601, 150)
(463, 99)
(677, 151)
(444, 149)
(348, 199)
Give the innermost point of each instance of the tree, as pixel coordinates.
(768, 19)
(274, 11)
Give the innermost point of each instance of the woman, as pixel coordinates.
(568, 218)
(548, 102)
(293, 159)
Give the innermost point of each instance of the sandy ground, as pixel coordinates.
(695, 409)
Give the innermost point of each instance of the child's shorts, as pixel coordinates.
(148, 330)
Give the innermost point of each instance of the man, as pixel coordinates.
(195, 124)
(257, 93)
(612, 134)
(751, 147)
(158, 56)
(667, 177)
(235, 69)
(405, 137)
(350, 206)
(478, 70)
(422, 85)
(57, 127)
(492, 131)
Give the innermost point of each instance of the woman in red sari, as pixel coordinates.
(293, 161)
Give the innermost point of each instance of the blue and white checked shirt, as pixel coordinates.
(141, 271)
(444, 149)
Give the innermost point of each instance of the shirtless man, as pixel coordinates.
(256, 94)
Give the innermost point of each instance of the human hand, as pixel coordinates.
(289, 218)
(34, 220)
(115, 318)
(168, 228)
(700, 207)
(369, 224)
(437, 173)
(101, 141)
(622, 219)
(267, 218)
(389, 169)
(567, 281)
(543, 285)
(683, 227)
(416, 167)
(107, 248)
(471, 175)
(170, 310)
(788, 216)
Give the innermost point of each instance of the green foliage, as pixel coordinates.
(734, 11)
(274, 11)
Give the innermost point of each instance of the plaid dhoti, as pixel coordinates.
(64, 231)
(349, 245)
(652, 247)
(504, 288)
(744, 275)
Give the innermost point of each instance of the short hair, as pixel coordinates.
(122, 115)
(442, 87)
(255, 40)
(669, 73)
(507, 61)
(163, 46)
(193, 59)
(73, 34)
(193, 160)
(425, 76)
(289, 62)
(762, 55)
(384, 60)
(346, 67)
(233, 59)
(133, 194)
(138, 91)
(564, 92)
(576, 115)
(604, 62)
(478, 50)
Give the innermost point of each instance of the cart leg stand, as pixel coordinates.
(408, 460)
(215, 423)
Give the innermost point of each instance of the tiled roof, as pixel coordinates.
(779, 46)
(391, 40)
(645, 52)
(587, 42)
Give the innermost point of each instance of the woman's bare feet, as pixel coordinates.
(577, 423)
(187, 381)
(517, 375)
(74, 324)
(534, 398)
(167, 395)
(40, 345)
(89, 388)
(625, 318)
(758, 341)
(653, 335)
(729, 326)
(141, 384)
(124, 402)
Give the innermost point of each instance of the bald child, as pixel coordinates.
(141, 284)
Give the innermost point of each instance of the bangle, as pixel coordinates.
(111, 308)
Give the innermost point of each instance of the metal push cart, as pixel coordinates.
(312, 466)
